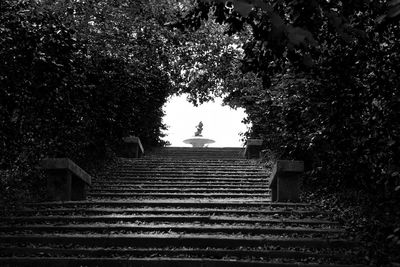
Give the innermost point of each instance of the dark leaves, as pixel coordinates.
(69, 89)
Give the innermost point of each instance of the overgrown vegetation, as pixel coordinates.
(327, 94)
(318, 79)
(67, 91)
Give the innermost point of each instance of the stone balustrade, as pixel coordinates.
(65, 180)
(286, 180)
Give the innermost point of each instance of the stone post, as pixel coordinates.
(65, 180)
(253, 148)
(132, 147)
(78, 189)
(59, 184)
(286, 180)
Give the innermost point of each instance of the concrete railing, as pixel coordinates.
(286, 174)
(132, 147)
(253, 148)
(65, 180)
(286, 180)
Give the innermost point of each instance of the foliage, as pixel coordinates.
(329, 94)
(207, 60)
(68, 91)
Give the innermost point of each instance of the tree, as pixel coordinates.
(329, 92)
(75, 78)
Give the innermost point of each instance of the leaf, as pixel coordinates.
(243, 7)
(308, 61)
(277, 21)
(394, 2)
(298, 36)
(394, 12)
(380, 19)
(263, 5)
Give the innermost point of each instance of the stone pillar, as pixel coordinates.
(78, 189)
(59, 184)
(132, 147)
(286, 180)
(65, 180)
(253, 148)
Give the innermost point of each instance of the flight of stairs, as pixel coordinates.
(176, 207)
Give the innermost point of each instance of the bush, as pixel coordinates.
(58, 99)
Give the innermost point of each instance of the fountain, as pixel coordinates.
(198, 140)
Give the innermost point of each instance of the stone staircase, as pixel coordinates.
(176, 207)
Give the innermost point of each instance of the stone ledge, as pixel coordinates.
(66, 164)
(253, 148)
(134, 140)
(254, 142)
(293, 166)
(286, 180)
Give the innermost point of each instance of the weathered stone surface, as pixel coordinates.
(286, 180)
(254, 142)
(59, 184)
(66, 164)
(180, 204)
(133, 148)
(283, 166)
(65, 180)
(253, 148)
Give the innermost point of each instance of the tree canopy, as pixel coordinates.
(329, 92)
(77, 76)
(318, 79)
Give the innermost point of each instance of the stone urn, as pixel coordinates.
(198, 141)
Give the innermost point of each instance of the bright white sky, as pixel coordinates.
(220, 123)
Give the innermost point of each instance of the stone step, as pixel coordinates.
(234, 153)
(191, 169)
(179, 186)
(191, 151)
(206, 169)
(176, 207)
(173, 252)
(211, 162)
(152, 262)
(246, 211)
(188, 178)
(166, 218)
(179, 183)
(185, 177)
(211, 190)
(168, 240)
(207, 156)
(179, 194)
(164, 160)
(213, 154)
(170, 228)
(194, 170)
(189, 184)
(177, 198)
(235, 162)
(155, 181)
(176, 203)
(198, 156)
(185, 164)
(190, 174)
(197, 149)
